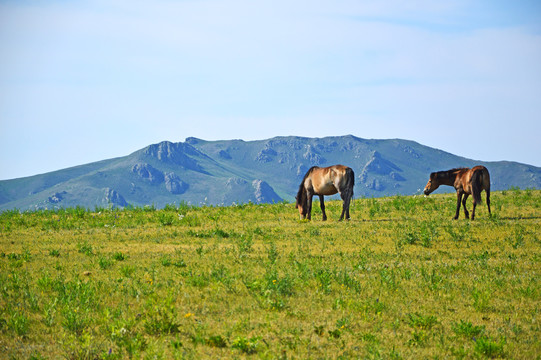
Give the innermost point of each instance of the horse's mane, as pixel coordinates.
(447, 173)
(301, 194)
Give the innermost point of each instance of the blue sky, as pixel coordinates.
(82, 81)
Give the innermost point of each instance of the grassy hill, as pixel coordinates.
(202, 172)
(401, 280)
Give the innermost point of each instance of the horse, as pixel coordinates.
(467, 182)
(325, 181)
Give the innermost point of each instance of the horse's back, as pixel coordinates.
(329, 180)
(322, 180)
(339, 167)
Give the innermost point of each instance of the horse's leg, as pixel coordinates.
(458, 199)
(309, 205)
(464, 206)
(322, 204)
(488, 201)
(345, 205)
(474, 206)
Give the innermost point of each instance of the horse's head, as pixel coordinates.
(301, 207)
(432, 184)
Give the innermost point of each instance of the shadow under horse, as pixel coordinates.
(467, 182)
(325, 181)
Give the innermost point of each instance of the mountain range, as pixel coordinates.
(199, 172)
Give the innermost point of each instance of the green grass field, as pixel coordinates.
(401, 280)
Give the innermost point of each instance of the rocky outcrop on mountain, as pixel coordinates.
(376, 185)
(235, 190)
(411, 151)
(396, 176)
(379, 165)
(149, 173)
(235, 182)
(174, 184)
(224, 155)
(264, 193)
(114, 198)
(266, 155)
(181, 154)
(57, 197)
(257, 191)
(380, 174)
(173, 152)
(313, 157)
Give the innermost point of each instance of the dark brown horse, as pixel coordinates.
(325, 181)
(466, 182)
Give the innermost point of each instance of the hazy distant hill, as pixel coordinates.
(222, 172)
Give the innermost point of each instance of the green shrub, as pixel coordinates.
(490, 347)
(246, 345)
(467, 329)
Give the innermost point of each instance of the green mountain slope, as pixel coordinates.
(223, 172)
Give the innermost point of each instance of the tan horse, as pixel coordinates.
(466, 182)
(325, 181)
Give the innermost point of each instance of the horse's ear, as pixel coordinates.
(432, 175)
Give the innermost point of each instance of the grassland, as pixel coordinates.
(401, 280)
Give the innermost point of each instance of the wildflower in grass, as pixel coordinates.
(148, 279)
(188, 315)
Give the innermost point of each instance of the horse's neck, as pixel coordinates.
(450, 179)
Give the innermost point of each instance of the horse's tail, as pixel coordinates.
(480, 180)
(350, 181)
